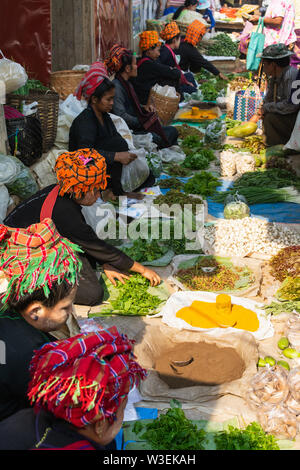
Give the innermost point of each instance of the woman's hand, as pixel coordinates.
(223, 77)
(254, 19)
(149, 108)
(152, 276)
(125, 157)
(113, 274)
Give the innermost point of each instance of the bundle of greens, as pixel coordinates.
(273, 178)
(176, 197)
(171, 183)
(145, 250)
(191, 144)
(289, 289)
(200, 160)
(133, 297)
(202, 75)
(286, 263)
(212, 88)
(31, 85)
(253, 437)
(223, 46)
(177, 170)
(230, 123)
(276, 308)
(203, 183)
(171, 431)
(261, 195)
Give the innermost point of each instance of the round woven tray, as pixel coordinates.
(166, 107)
(65, 82)
(47, 112)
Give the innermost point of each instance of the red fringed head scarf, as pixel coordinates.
(85, 378)
(92, 79)
(80, 171)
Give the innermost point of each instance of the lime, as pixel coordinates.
(270, 360)
(283, 343)
(283, 364)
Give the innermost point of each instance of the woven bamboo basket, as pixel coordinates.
(154, 25)
(166, 107)
(65, 82)
(47, 112)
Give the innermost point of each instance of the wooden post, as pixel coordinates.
(3, 133)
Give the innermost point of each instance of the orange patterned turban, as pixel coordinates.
(149, 39)
(170, 31)
(195, 32)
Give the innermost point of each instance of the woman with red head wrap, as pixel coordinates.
(79, 389)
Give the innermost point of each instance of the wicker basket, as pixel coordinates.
(155, 25)
(166, 107)
(47, 112)
(65, 82)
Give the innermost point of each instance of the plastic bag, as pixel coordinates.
(279, 421)
(293, 331)
(123, 130)
(22, 184)
(292, 405)
(4, 202)
(268, 387)
(166, 90)
(136, 173)
(215, 132)
(244, 162)
(172, 154)
(144, 141)
(8, 169)
(12, 74)
(294, 383)
(236, 208)
(227, 163)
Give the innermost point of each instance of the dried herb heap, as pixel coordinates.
(171, 183)
(184, 130)
(177, 170)
(225, 277)
(290, 289)
(176, 197)
(286, 263)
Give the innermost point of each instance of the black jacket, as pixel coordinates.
(151, 72)
(20, 340)
(71, 224)
(191, 59)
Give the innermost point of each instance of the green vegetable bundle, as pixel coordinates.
(276, 308)
(200, 160)
(253, 437)
(171, 183)
(174, 196)
(261, 195)
(223, 46)
(203, 183)
(145, 250)
(177, 170)
(289, 289)
(31, 85)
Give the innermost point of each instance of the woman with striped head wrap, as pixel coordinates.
(190, 57)
(40, 273)
(81, 177)
(171, 35)
(79, 389)
(140, 119)
(149, 70)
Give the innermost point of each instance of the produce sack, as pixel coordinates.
(294, 142)
(135, 173)
(152, 343)
(129, 305)
(247, 103)
(180, 300)
(256, 47)
(172, 154)
(12, 74)
(20, 180)
(4, 202)
(247, 283)
(25, 138)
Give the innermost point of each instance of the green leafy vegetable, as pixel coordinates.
(275, 308)
(203, 183)
(171, 183)
(253, 437)
(289, 289)
(143, 250)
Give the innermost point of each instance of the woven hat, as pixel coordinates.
(276, 51)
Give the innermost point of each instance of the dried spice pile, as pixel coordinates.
(225, 277)
(174, 196)
(286, 263)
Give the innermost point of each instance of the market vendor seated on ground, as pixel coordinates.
(79, 389)
(41, 271)
(140, 119)
(94, 128)
(150, 70)
(171, 35)
(81, 177)
(190, 57)
(278, 112)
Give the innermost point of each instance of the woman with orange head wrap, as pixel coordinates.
(190, 57)
(81, 177)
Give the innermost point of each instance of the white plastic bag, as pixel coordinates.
(166, 90)
(144, 141)
(294, 142)
(4, 202)
(123, 130)
(172, 154)
(135, 173)
(12, 74)
(69, 109)
(8, 169)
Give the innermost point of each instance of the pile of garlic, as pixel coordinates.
(243, 237)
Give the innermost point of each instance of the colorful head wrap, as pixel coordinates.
(113, 62)
(92, 79)
(80, 171)
(195, 32)
(34, 258)
(170, 31)
(85, 378)
(148, 39)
